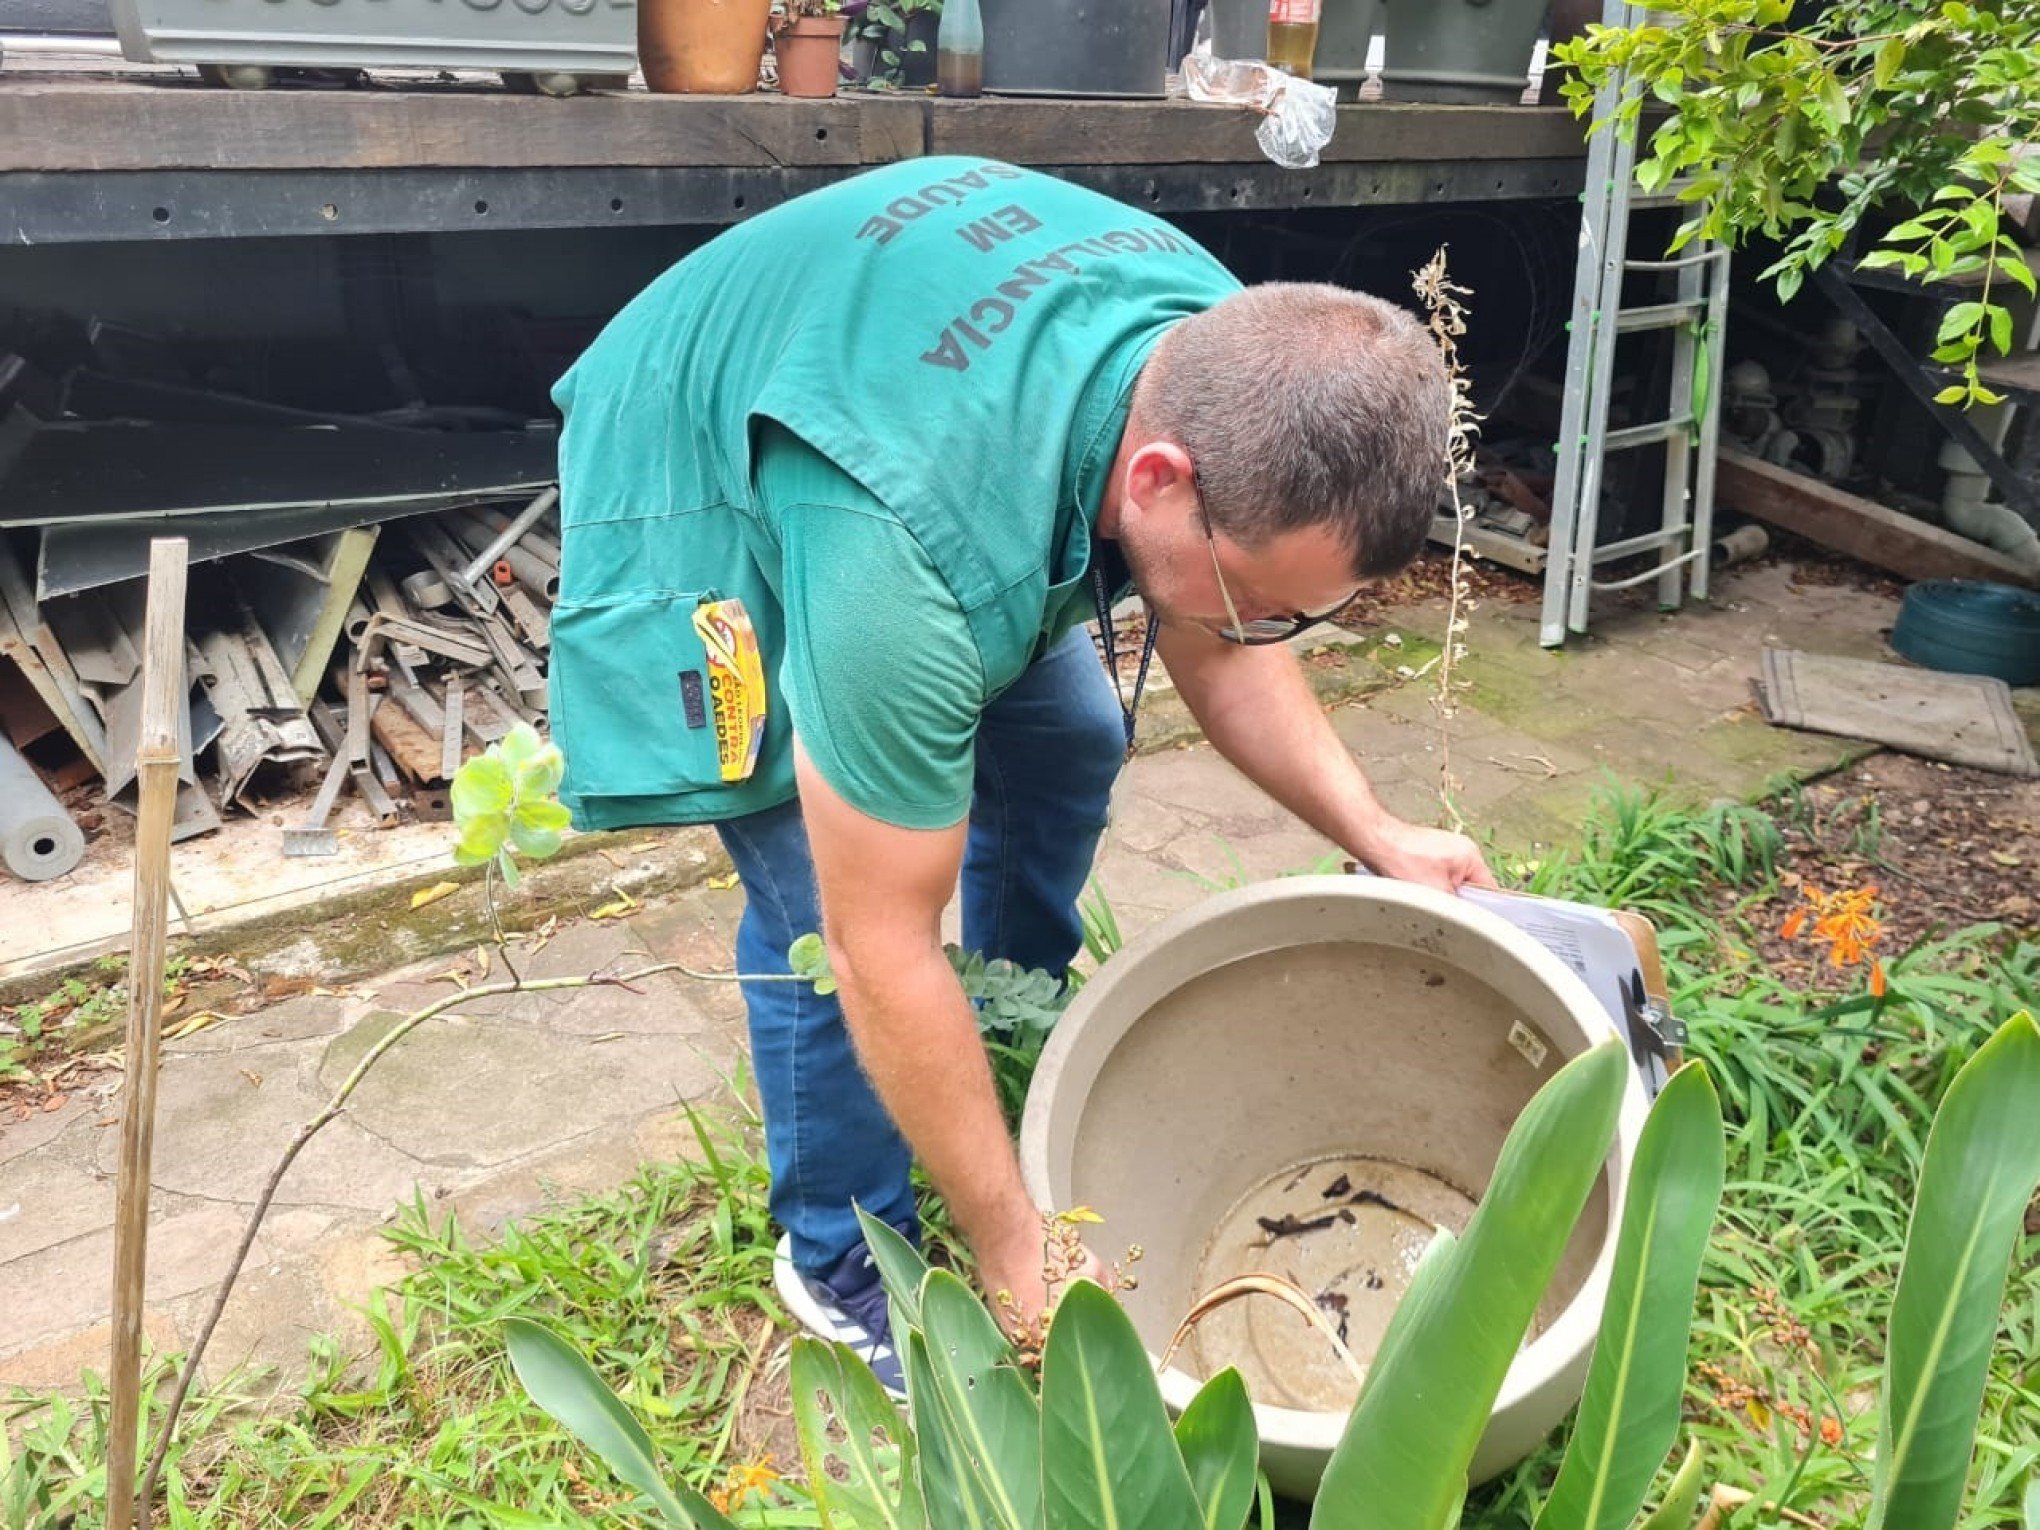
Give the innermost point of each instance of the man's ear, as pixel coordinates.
(1157, 470)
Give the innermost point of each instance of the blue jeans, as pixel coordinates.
(1048, 750)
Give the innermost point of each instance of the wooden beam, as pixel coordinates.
(1180, 132)
(1891, 540)
(101, 124)
(58, 125)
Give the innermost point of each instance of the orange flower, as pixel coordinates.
(1846, 920)
(1877, 980)
(743, 1482)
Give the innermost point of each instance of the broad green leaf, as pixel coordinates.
(542, 813)
(1629, 1414)
(480, 786)
(997, 1420)
(808, 957)
(566, 1386)
(2033, 1505)
(954, 1494)
(1109, 1460)
(1954, 393)
(1683, 1496)
(507, 865)
(1401, 1463)
(901, 1269)
(481, 837)
(2017, 270)
(539, 776)
(1959, 320)
(1889, 58)
(2001, 329)
(1417, 1296)
(519, 745)
(539, 844)
(1221, 1449)
(1981, 1168)
(863, 1469)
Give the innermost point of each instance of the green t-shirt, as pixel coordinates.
(882, 415)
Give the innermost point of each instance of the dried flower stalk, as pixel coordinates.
(1441, 297)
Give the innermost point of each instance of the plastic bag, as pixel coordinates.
(1297, 115)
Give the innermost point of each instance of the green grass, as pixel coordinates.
(1828, 1096)
(79, 1012)
(666, 1285)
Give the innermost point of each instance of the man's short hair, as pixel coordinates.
(1304, 404)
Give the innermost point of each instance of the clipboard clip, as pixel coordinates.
(1653, 1027)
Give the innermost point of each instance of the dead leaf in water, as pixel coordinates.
(1289, 1225)
(1282, 1290)
(1375, 1198)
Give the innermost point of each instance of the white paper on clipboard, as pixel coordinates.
(1589, 941)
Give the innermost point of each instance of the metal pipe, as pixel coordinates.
(57, 45)
(494, 521)
(529, 517)
(1740, 545)
(38, 840)
(528, 568)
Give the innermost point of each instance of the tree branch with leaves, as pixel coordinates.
(1805, 133)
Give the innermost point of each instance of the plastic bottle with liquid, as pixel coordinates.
(960, 49)
(1293, 34)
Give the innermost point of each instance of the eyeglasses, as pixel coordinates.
(1261, 630)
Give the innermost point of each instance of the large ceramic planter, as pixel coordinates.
(1244, 1058)
(1077, 47)
(702, 47)
(1459, 50)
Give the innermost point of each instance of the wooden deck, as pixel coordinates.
(87, 157)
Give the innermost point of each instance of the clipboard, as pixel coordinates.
(1615, 952)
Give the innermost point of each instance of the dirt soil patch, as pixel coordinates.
(1944, 846)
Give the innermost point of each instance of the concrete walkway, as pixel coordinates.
(490, 1110)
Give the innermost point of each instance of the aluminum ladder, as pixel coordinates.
(1695, 315)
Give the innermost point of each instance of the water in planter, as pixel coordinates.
(1346, 1231)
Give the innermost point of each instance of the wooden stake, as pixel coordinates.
(156, 767)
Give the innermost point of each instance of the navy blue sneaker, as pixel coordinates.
(847, 1305)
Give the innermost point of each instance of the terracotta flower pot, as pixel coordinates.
(702, 47)
(808, 50)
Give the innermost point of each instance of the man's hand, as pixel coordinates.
(1016, 1277)
(1254, 705)
(1435, 857)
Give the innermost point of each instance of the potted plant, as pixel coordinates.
(894, 41)
(702, 47)
(807, 40)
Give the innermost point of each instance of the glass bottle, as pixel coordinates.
(960, 49)
(1292, 34)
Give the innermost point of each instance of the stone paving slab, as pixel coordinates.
(518, 1101)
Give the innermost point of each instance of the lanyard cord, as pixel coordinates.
(1109, 640)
